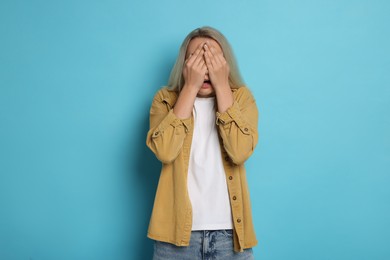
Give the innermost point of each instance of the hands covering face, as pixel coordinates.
(206, 62)
(218, 68)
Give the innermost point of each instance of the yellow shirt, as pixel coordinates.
(170, 137)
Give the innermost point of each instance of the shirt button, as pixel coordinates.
(238, 220)
(156, 133)
(230, 177)
(234, 197)
(246, 129)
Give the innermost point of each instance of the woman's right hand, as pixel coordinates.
(195, 68)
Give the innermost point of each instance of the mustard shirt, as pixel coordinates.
(170, 137)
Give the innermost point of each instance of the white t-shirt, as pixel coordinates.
(207, 185)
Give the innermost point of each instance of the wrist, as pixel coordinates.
(222, 88)
(190, 89)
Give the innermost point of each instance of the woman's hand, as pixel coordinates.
(218, 70)
(217, 66)
(195, 68)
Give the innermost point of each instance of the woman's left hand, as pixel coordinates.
(217, 66)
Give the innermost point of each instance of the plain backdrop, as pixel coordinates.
(76, 83)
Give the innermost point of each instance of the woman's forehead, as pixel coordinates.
(194, 43)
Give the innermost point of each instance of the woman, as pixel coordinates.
(203, 127)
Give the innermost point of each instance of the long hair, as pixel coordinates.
(176, 79)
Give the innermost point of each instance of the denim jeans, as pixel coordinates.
(204, 245)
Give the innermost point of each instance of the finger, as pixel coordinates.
(205, 62)
(211, 57)
(191, 58)
(207, 56)
(221, 58)
(204, 66)
(199, 49)
(199, 59)
(195, 54)
(214, 51)
(215, 55)
(204, 69)
(188, 58)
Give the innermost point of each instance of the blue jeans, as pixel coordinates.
(204, 245)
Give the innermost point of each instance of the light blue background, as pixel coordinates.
(77, 79)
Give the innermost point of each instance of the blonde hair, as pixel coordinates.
(176, 79)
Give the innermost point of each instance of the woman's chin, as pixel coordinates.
(206, 92)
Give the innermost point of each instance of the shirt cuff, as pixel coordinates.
(233, 113)
(173, 120)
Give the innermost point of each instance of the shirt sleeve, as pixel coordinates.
(238, 126)
(166, 132)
